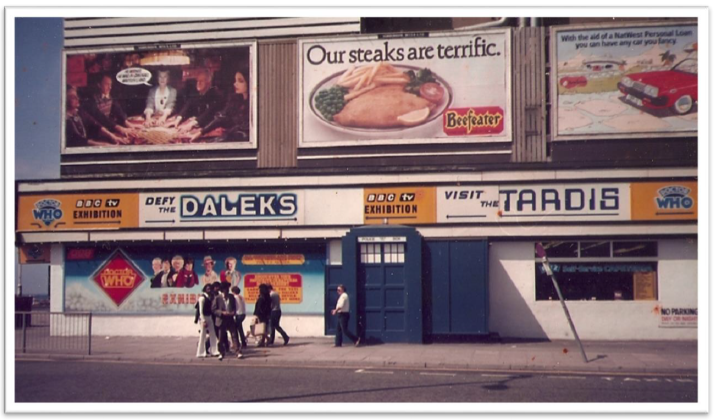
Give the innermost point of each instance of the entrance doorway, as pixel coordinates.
(382, 282)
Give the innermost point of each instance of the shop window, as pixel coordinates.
(594, 249)
(635, 249)
(394, 253)
(370, 253)
(561, 249)
(599, 270)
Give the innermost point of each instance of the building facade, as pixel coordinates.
(416, 161)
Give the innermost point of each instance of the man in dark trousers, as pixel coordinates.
(343, 312)
(275, 319)
(224, 309)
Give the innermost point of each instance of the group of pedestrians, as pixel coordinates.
(221, 311)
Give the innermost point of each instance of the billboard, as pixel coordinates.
(160, 279)
(664, 201)
(564, 203)
(399, 205)
(625, 81)
(56, 212)
(160, 97)
(221, 208)
(405, 89)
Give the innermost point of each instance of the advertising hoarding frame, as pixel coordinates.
(555, 136)
(252, 144)
(508, 124)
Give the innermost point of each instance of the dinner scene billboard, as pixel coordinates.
(625, 81)
(163, 97)
(169, 279)
(405, 89)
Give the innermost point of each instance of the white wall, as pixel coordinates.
(57, 278)
(514, 312)
(183, 326)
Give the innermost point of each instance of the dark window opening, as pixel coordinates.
(598, 281)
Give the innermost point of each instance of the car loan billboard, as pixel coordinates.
(625, 81)
(160, 97)
(405, 89)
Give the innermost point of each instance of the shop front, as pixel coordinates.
(420, 261)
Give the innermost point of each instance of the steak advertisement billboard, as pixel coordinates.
(405, 89)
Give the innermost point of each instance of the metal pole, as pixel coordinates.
(89, 335)
(19, 274)
(548, 270)
(24, 333)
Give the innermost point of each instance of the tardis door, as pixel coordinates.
(383, 266)
(382, 301)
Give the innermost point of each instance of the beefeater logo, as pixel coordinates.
(118, 277)
(473, 121)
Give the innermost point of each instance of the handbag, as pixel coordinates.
(259, 328)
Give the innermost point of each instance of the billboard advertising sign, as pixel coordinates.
(625, 81)
(478, 204)
(405, 89)
(222, 208)
(564, 202)
(169, 279)
(664, 201)
(400, 205)
(76, 211)
(163, 97)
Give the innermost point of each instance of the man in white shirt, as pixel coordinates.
(206, 325)
(240, 313)
(343, 312)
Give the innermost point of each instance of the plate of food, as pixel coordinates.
(380, 98)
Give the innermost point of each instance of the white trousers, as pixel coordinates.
(201, 346)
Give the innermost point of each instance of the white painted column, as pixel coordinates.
(57, 278)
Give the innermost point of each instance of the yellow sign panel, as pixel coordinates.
(35, 254)
(288, 286)
(55, 212)
(273, 259)
(399, 206)
(645, 285)
(664, 201)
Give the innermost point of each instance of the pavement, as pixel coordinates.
(604, 357)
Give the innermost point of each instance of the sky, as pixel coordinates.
(38, 65)
(38, 46)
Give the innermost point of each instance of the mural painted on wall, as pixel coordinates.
(167, 279)
(626, 80)
(161, 97)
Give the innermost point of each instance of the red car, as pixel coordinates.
(570, 82)
(676, 88)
